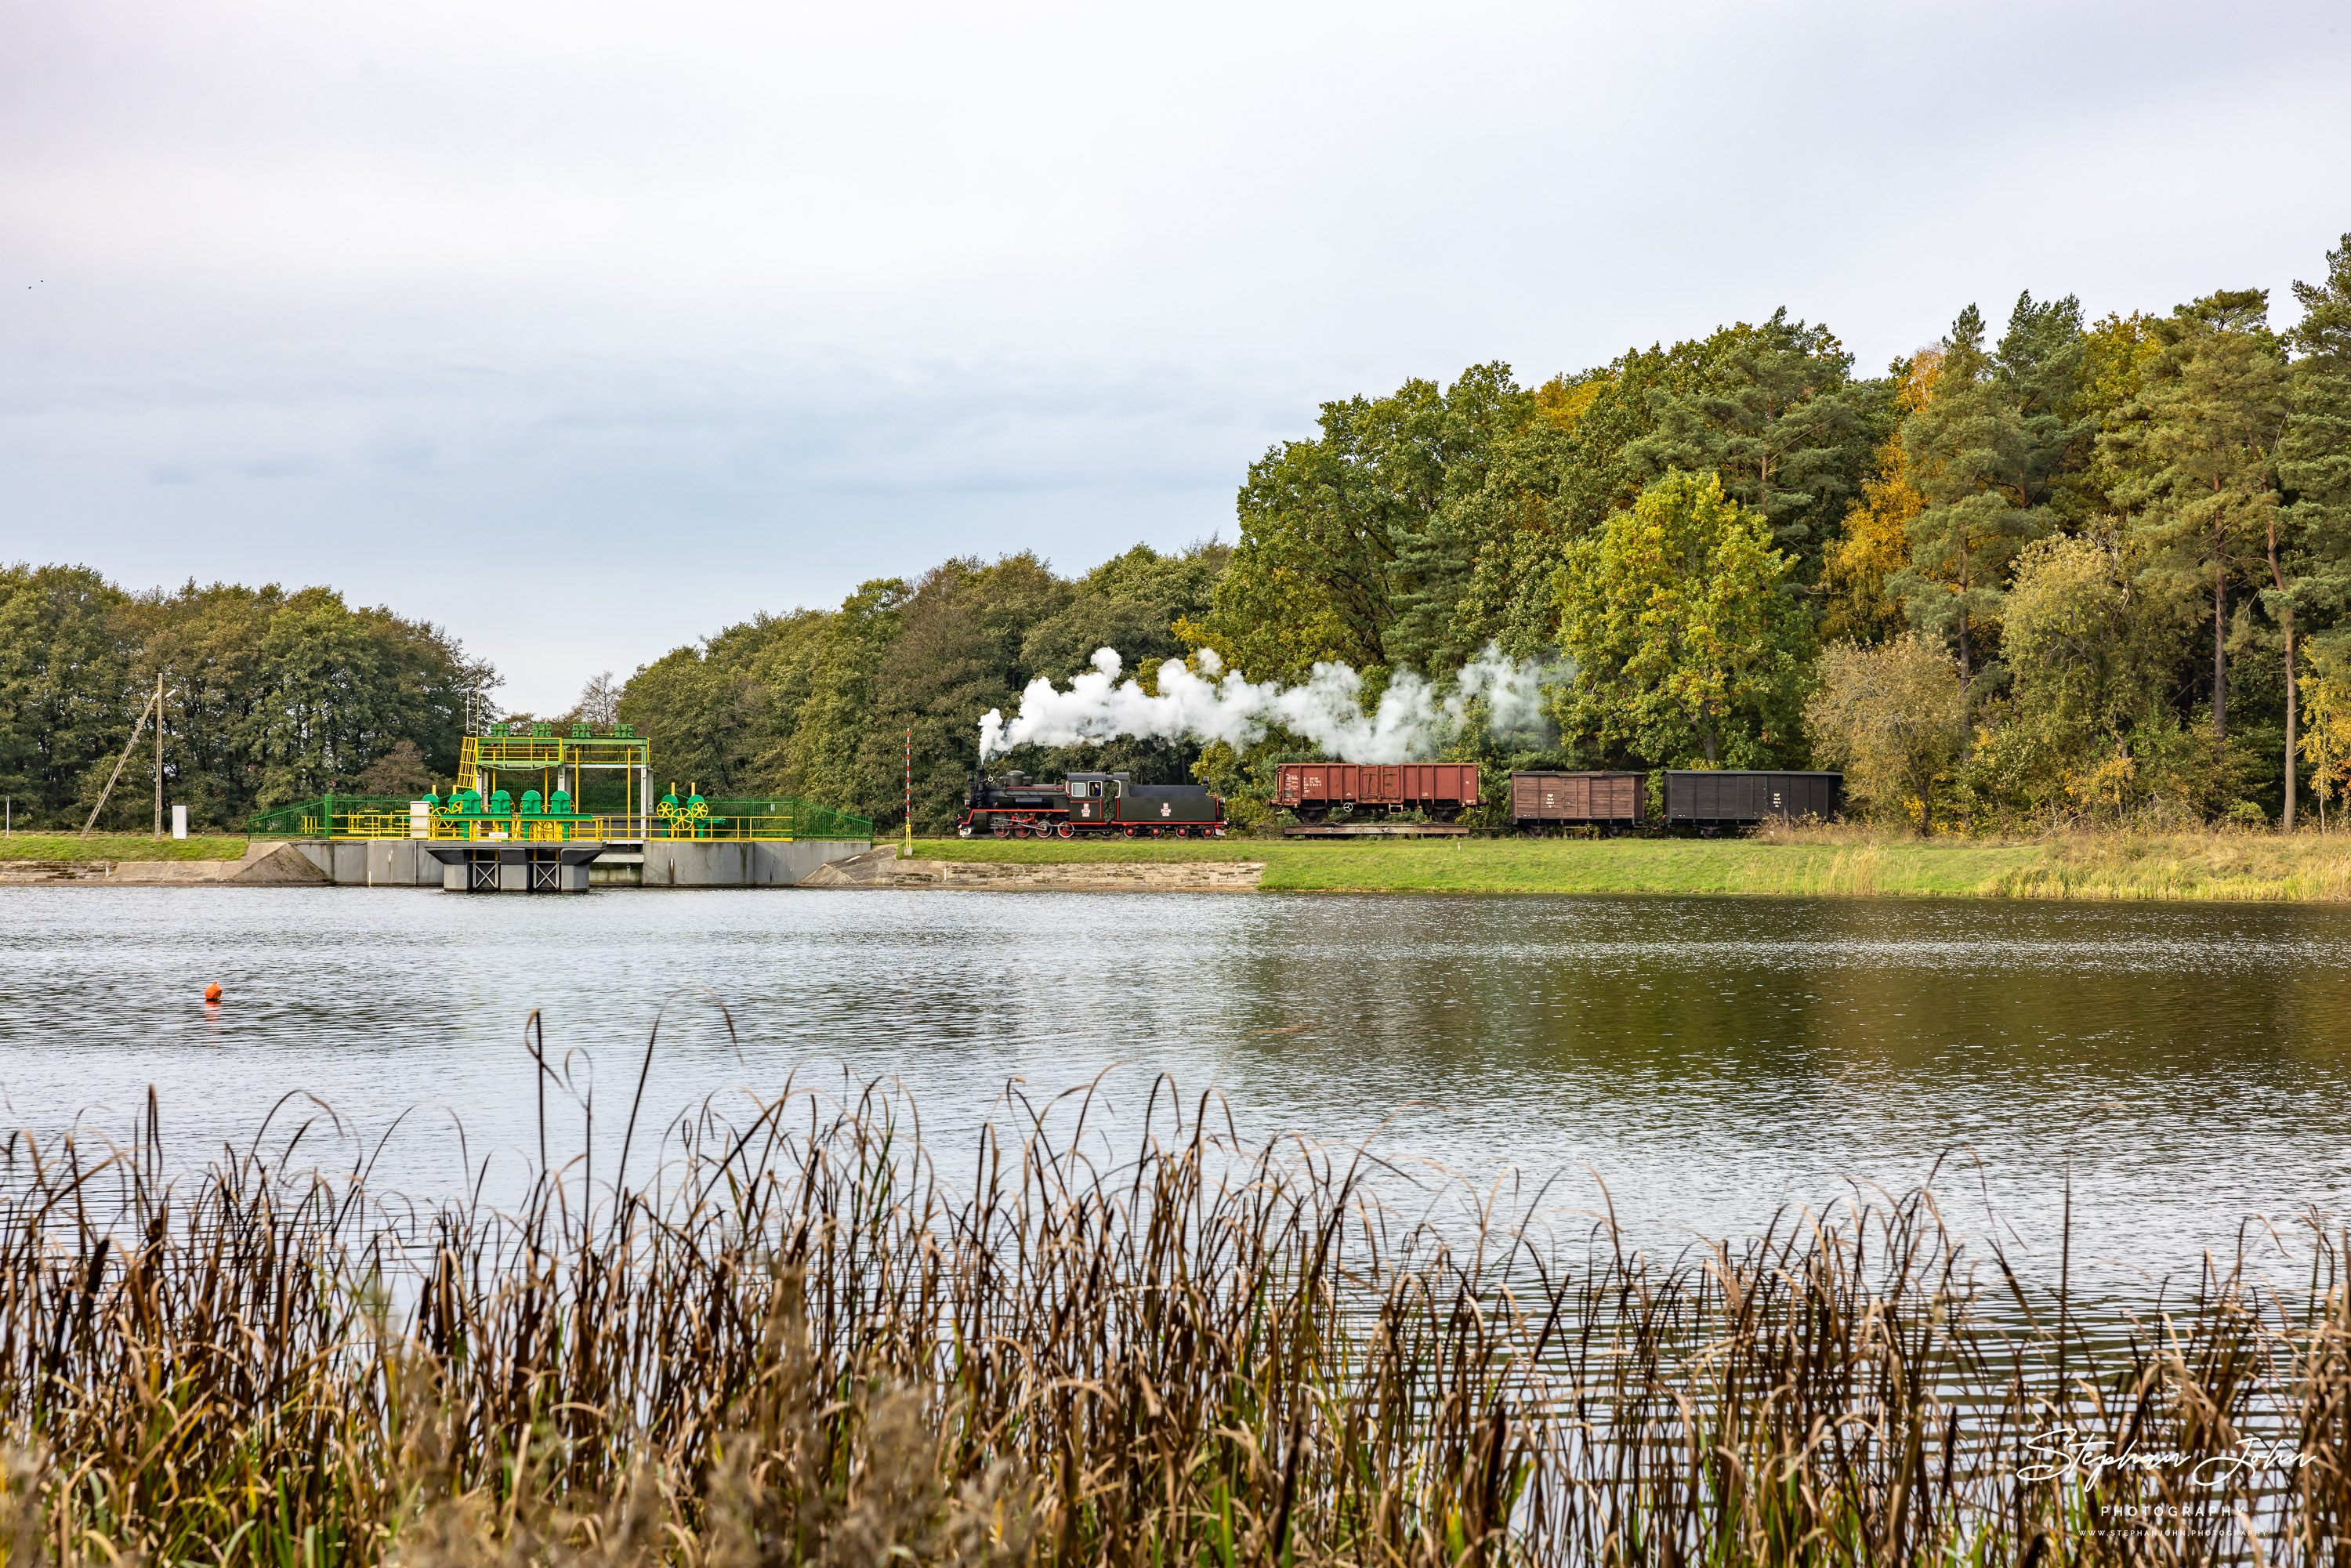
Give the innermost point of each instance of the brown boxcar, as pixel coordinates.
(1611, 800)
(1711, 799)
(1315, 789)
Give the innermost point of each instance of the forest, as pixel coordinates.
(268, 697)
(2045, 569)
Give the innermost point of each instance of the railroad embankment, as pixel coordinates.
(2308, 868)
(883, 868)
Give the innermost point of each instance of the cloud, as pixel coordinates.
(827, 293)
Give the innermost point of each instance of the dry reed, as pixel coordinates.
(793, 1342)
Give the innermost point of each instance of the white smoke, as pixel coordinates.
(1411, 722)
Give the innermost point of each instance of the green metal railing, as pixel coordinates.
(328, 817)
(808, 820)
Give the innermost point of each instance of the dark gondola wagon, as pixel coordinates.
(1711, 799)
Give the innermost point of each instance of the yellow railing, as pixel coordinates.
(477, 751)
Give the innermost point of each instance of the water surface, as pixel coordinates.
(1709, 1061)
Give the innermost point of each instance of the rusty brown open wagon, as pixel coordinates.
(1314, 790)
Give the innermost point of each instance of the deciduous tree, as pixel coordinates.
(1893, 718)
(1673, 621)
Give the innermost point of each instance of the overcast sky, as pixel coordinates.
(586, 329)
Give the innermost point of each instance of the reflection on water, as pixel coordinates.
(1708, 1060)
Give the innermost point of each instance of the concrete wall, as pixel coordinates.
(686, 863)
(402, 862)
(373, 863)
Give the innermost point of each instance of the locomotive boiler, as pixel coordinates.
(1095, 805)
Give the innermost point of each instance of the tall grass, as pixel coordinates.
(788, 1339)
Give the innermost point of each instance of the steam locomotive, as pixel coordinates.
(1097, 804)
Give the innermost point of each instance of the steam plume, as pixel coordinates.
(1411, 722)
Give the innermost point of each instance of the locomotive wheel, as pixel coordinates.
(1130, 833)
(1067, 831)
(1182, 833)
(1001, 833)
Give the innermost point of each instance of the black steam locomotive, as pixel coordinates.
(1094, 803)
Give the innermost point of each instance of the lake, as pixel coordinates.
(1709, 1061)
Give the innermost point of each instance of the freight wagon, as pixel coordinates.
(1713, 799)
(1612, 801)
(1315, 789)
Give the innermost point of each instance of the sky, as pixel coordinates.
(586, 329)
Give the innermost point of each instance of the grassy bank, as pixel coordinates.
(800, 1346)
(2306, 868)
(117, 847)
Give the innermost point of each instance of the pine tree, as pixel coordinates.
(2041, 361)
(2313, 470)
(2198, 450)
(1970, 455)
(1779, 418)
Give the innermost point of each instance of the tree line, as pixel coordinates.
(2076, 569)
(2051, 567)
(268, 697)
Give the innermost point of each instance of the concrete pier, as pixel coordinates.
(680, 862)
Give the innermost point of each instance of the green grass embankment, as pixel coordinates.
(2305, 869)
(117, 847)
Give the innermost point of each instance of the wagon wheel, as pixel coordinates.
(1130, 833)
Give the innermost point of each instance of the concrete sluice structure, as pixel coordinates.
(546, 837)
(516, 866)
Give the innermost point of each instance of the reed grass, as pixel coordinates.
(792, 1341)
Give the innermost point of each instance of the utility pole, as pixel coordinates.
(154, 705)
(159, 755)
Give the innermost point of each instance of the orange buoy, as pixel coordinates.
(212, 992)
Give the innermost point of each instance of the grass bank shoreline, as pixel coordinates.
(2308, 868)
(2229, 867)
(114, 847)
